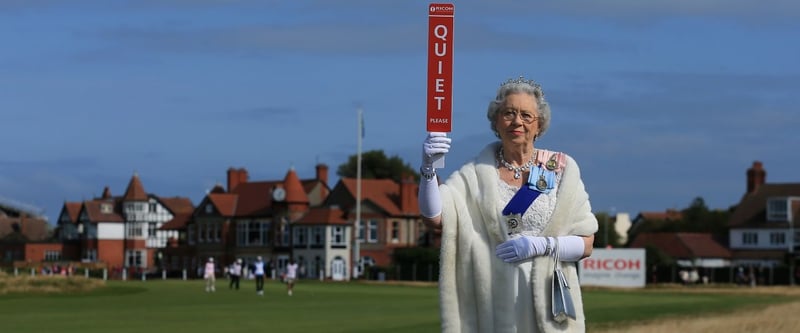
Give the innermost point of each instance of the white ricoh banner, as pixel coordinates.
(614, 268)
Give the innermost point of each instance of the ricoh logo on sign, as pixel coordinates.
(441, 8)
(611, 264)
(614, 268)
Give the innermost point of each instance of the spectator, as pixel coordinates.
(209, 275)
(235, 274)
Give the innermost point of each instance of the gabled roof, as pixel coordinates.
(323, 216)
(181, 209)
(224, 202)
(95, 214)
(135, 190)
(752, 209)
(178, 222)
(177, 205)
(682, 245)
(73, 209)
(383, 193)
(254, 198)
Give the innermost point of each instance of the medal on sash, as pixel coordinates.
(552, 163)
(541, 184)
(513, 222)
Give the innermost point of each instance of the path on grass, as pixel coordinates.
(783, 317)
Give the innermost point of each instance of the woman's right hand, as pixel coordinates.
(436, 144)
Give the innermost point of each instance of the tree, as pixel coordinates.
(376, 165)
(606, 230)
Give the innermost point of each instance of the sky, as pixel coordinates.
(659, 101)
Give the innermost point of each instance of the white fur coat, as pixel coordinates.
(473, 297)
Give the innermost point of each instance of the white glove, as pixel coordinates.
(436, 144)
(570, 248)
(429, 199)
(521, 248)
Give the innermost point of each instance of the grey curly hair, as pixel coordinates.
(517, 86)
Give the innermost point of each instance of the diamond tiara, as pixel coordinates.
(522, 80)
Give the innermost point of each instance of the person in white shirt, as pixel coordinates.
(291, 275)
(258, 270)
(209, 275)
(236, 273)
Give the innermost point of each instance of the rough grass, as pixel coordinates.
(47, 284)
(784, 317)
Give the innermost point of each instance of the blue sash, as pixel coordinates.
(530, 191)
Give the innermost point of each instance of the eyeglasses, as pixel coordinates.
(511, 114)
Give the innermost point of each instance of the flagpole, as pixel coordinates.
(356, 241)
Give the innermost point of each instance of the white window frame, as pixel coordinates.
(372, 233)
(137, 256)
(778, 209)
(317, 236)
(52, 255)
(300, 237)
(777, 238)
(337, 236)
(395, 231)
(750, 238)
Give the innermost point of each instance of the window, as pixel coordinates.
(395, 231)
(90, 229)
(50, 255)
(209, 209)
(106, 208)
(252, 233)
(749, 238)
(89, 255)
(778, 209)
(153, 207)
(300, 236)
(317, 237)
(217, 232)
(285, 232)
(201, 233)
(777, 238)
(373, 231)
(133, 230)
(359, 231)
(190, 233)
(151, 229)
(68, 231)
(134, 258)
(337, 237)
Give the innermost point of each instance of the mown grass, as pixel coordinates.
(183, 306)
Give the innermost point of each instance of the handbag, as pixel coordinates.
(562, 305)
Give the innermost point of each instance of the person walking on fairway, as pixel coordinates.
(209, 275)
(236, 273)
(291, 275)
(258, 270)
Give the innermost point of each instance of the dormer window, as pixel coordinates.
(106, 208)
(778, 209)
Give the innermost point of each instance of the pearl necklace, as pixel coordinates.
(517, 170)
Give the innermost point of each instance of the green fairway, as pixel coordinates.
(183, 306)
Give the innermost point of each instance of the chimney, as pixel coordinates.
(322, 173)
(756, 176)
(408, 194)
(233, 179)
(106, 193)
(243, 176)
(236, 177)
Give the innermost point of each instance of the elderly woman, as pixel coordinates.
(508, 218)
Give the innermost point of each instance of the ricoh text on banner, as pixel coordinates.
(440, 67)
